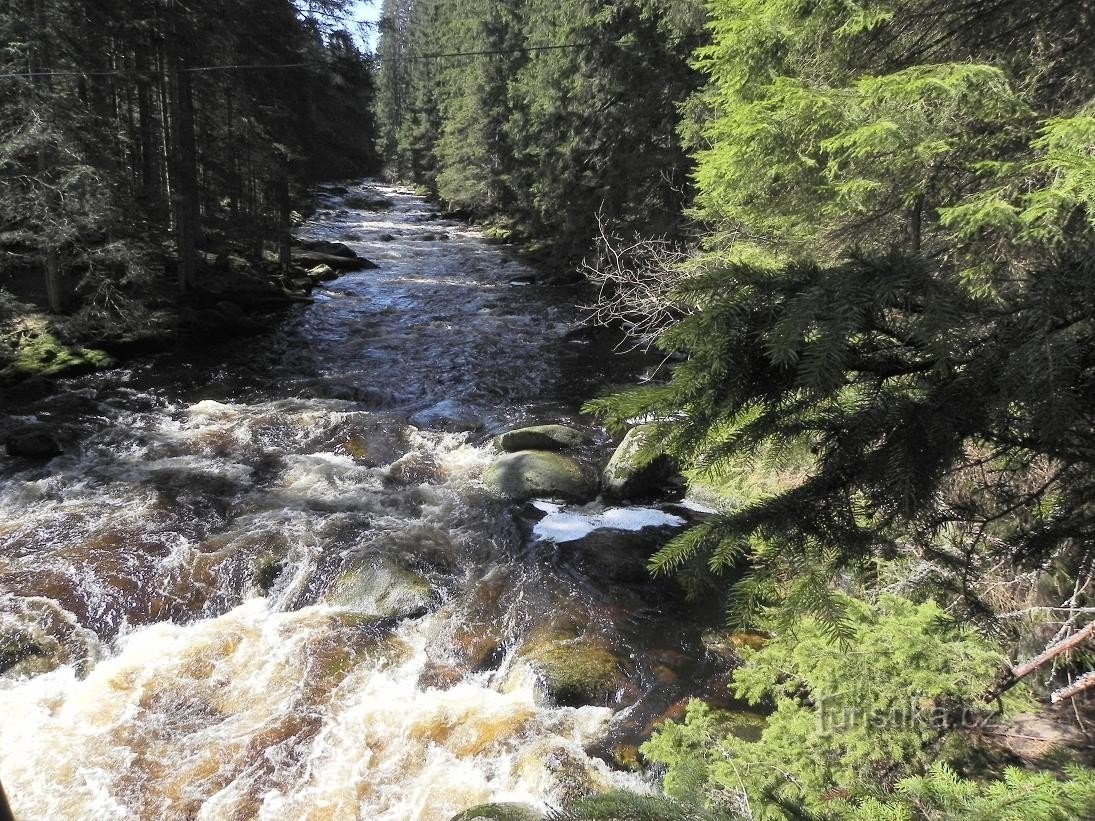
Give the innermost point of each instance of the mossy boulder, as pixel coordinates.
(631, 473)
(499, 812)
(574, 670)
(383, 588)
(541, 437)
(530, 474)
(35, 350)
(267, 569)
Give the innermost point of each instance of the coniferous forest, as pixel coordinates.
(852, 245)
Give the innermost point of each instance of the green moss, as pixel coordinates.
(575, 672)
(497, 235)
(36, 351)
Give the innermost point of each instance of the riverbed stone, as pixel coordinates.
(382, 588)
(322, 273)
(368, 201)
(574, 669)
(34, 441)
(23, 654)
(507, 811)
(541, 437)
(530, 474)
(630, 474)
(309, 259)
(335, 249)
(728, 644)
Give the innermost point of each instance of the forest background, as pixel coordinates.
(860, 232)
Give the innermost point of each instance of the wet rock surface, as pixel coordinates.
(532, 474)
(541, 437)
(630, 474)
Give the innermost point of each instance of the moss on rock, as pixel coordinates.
(36, 351)
(635, 470)
(383, 588)
(499, 812)
(575, 670)
(529, 474)
(541, 437)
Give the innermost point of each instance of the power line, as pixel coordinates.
(264, 66)
(121, 72)
(372, 58)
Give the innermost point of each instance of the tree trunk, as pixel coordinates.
(56, 290)
(185, 172)
(285, 210)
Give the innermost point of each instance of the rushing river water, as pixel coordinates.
(200, 573)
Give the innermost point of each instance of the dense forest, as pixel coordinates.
(149, 148)
(863, 235)
(856, 239)
(563, 114)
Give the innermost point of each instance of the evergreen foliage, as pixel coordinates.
(114, 138)
(897, 277)
(559, 110)
(848, 719)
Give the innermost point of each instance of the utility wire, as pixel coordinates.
(262, 66)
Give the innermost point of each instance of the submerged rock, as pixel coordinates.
(574, 669)
(384, 589)
(499, 812)
(727, 645)
(449, 415)
(22, 654)
(368, 200)
(541, 437)
(630, 474)
(533, 473)
(34, 441)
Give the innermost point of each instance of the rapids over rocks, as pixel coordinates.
(265, 580)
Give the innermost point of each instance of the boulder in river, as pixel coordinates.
(630, 473)
(23, 654)
(322, 273)
(449, 415)
(33, 441)
(310, 259)
(529, 474)
(368, 201)
(499, 812)
(382, 588)
(574, 669)
(541, 437)
(322, 246)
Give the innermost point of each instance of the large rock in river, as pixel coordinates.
(630, 474)
(541, 437)
(530, 474)
(310, 259)
(335, 249)
(382, 588)
(499, 812)
(35, 441)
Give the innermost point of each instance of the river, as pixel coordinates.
(199, 575)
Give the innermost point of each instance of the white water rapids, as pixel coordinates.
(186, 570)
